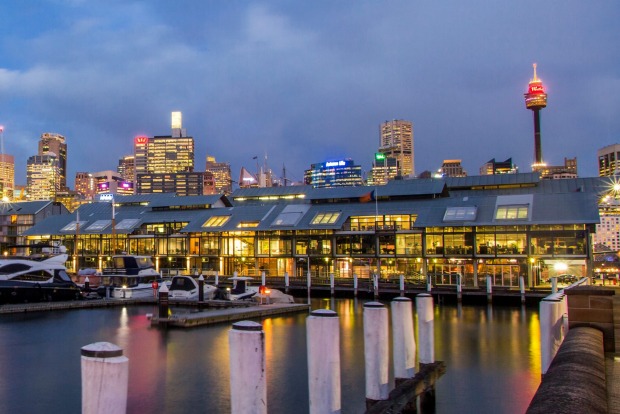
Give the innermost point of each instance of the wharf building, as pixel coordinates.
(504, 226)
(16, 218)
(397, 142)
(339, 173)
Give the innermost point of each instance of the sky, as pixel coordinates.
(301, 82)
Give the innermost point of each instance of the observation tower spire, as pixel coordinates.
(535, 100)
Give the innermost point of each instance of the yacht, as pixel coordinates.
(128, 277)
(36, 278)
(187, 287)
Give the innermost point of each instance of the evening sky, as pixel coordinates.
(301, 82)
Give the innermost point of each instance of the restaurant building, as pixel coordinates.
(504, 226)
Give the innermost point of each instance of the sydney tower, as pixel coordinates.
(536, 99)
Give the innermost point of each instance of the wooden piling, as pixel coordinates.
(105, 378)
(376, 352)
(323, 347)
(248, 382)
(403, 338)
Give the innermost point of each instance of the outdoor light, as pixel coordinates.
(560, 267)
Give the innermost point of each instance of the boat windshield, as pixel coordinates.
(62, 275)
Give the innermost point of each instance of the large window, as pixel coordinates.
(514, 212)
(216, 221)
(325, 218)
(460, 214)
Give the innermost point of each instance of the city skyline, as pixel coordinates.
(306, 83)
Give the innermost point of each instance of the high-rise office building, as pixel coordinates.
(43, 177)
(499, 167)
(55, 144)
(609, 160)
(85, 185)
(163, 162)
(554, 172)
(397, 142)
(221, 175)
(7, 176)
(7, 171)
(127, 168)
(452, 168)
(334, 174)
(383, 169)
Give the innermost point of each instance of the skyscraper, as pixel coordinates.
(397, 142)
(166, 163)
(609, 160)
(7, 171)
(535, 100)
(42, 177)
(55, 144)
(127, 168)
(221, 175)
(85, 184)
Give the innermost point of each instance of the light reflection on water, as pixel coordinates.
(492, 357)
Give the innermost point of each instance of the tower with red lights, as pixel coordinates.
(535, 100)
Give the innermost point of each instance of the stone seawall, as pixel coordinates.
(575, 381)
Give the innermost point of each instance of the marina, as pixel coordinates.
(491, 354)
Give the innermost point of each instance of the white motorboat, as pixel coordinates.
(129, 276)
(187, 287)
(242, 289)
(36, 278)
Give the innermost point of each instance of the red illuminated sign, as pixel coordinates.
(141, 140)
(536, 88)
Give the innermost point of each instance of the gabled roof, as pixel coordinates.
(23, 207)
(547, 202)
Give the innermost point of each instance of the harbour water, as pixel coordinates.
(492, 356)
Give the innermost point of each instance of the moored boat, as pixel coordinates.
(243, 289)
(36, 278)
(187, 287)
(130, 276)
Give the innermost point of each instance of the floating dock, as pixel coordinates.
(191, 319)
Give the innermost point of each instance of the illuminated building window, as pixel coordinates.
(460, 214)
(514, 212)
(248, 224)
(216, 221)
(325, 218)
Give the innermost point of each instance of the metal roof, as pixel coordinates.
(23, 207)
(548, 202)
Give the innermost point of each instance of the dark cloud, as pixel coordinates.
(306, 82)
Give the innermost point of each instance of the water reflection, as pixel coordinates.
(492, 356)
